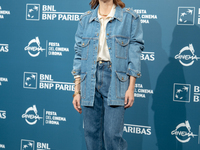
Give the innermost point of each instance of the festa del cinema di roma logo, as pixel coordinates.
(181, 134)
(34, 47)
(31, 116)
(52, 48)
(186, 56)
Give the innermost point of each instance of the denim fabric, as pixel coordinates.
(103, 124)
(124, 38)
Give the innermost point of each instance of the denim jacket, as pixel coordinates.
(124, 37)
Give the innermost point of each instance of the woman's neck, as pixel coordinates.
(105, 6)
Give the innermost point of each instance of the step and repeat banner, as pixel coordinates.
(36, 84)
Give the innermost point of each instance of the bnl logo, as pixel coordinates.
(181, 92)
(186, 16)
(33, 12)
(30, 80)
(27, 145)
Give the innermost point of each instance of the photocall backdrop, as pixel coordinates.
(36, 84)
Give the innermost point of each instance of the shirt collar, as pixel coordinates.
(118, 14)
(111, 14)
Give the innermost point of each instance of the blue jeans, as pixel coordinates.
(103, 124)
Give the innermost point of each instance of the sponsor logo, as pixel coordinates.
(49, 12)
(52, 48)
(185, 15)
(30, 145)
(145, 17)
(2, 146)
(30, 80)
(137, 129)
(49, 117)
(3, 13)
(4, 48)
(27, 144)
(149, 56)
(34, 47)
(2, 114)
(33, 12)
(2, 79)
(46, 82)
(183, 132)
(141, 92)
(31, 116)
(181, 92)
(186, 56)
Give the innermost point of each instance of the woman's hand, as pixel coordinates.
(129, 98)
(129, 95)
(77, 97)
(76, 103)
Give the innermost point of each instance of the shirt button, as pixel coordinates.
(138, 74)
(110, 21)
(122, 42)
(109, 48)
(83, 44)
(107, 33)
(74, 71)
(122, 78)
(128, 9)
(97, 34)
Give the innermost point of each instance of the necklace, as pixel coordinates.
(102, 14)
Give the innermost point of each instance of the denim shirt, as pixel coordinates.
(124, 37)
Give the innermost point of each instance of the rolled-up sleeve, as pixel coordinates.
(77, 48)
(135, 49)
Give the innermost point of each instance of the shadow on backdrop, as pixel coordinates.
(168, 114)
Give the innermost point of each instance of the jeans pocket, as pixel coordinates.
(121, 84)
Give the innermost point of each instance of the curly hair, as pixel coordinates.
(95, 3)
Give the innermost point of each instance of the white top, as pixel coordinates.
(103, 52)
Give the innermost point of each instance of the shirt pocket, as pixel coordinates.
(121, 84)
(85, 48)
(121, 47)
(83, 85)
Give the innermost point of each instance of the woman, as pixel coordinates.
(106, 64)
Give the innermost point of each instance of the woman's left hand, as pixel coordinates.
(129, 98)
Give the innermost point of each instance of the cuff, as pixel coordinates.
(76, 76)
(134, 73)
(76, 72)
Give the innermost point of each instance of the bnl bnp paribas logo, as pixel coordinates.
(49, 13)
(182, 93)
(183, 132)
(32, 145)
(187, 56)
(186, 16)
(34, 48)
(30, 81)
